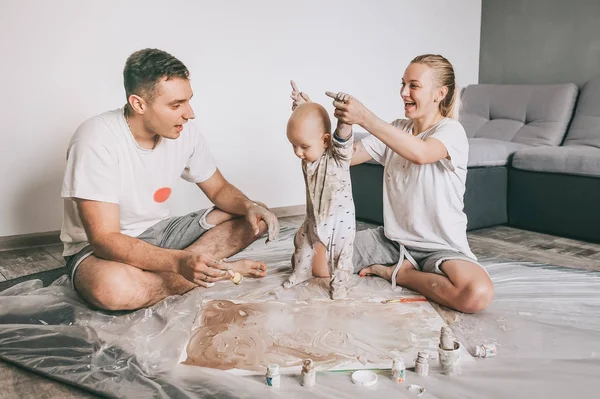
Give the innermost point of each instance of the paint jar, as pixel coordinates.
(309, 374)
(450, 359)
(398, 370)
(446, 339)
(273, 376)
(488, 350)
(422, 364)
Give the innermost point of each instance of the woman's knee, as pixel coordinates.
(476, 296)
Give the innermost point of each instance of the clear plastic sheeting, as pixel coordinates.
(545, 322)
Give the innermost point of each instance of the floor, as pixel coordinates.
(500, 243)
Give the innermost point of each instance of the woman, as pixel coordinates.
(423, 244)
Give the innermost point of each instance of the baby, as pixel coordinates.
(324, 241)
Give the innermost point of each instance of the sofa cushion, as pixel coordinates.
(571, 160)
(585, 129)
(488, 152)
(536, 115)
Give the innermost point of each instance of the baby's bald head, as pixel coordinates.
(309, 127)
(310, 117)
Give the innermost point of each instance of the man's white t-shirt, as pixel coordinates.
(423, 204)
(105, 163)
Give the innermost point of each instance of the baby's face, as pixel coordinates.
(308, 144)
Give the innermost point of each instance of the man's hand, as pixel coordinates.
(348, 109)
(256, 213)
(201, 269)
(298, 97)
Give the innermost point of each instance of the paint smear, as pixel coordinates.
(246, 337)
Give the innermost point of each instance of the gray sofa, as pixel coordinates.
(557, 190)
(519, 173)
(501, 120)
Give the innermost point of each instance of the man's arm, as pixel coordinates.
(229, 199)
(101, 223)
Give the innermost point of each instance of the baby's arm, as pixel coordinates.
(343, 130)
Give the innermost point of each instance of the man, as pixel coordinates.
(123, 251)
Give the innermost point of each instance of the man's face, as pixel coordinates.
(170, 108)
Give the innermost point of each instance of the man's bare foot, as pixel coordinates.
(248, 268)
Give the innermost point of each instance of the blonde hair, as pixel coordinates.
(444, 76)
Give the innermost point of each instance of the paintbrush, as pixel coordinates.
(406, 299)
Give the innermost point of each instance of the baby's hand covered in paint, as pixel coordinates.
(256, 213)
(297, 96)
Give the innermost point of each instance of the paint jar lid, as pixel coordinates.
(416, 389)
(364, 377)
(398, 362)
(273, 368)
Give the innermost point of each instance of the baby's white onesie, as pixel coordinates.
(329, 218)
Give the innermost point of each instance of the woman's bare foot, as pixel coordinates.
(377, 270)
(386, 272)
(248, 268)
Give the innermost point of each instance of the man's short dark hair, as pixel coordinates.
(145, 68)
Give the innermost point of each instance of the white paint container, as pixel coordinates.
(273, 377)
(422, 364)
(309, 374)
(398, 370)
(366, 378)
(450, 359)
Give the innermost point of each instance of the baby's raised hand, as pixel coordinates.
(298, 97)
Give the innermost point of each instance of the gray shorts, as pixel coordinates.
(372, 247)
(173, 233)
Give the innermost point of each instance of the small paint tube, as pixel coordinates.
(488, 350)
(273, 377)
(398, 370)
(309, 373)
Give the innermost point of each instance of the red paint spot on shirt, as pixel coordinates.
(162, 194)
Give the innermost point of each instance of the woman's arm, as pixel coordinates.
(406, 145)
(360, 155)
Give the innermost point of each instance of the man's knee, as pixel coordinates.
(111, 290)
(217, 216)
(476, 296)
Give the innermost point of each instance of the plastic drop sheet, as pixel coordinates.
(544, 320)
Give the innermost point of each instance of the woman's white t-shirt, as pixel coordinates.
(423, 204)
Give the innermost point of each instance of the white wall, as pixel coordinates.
(62, 62)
